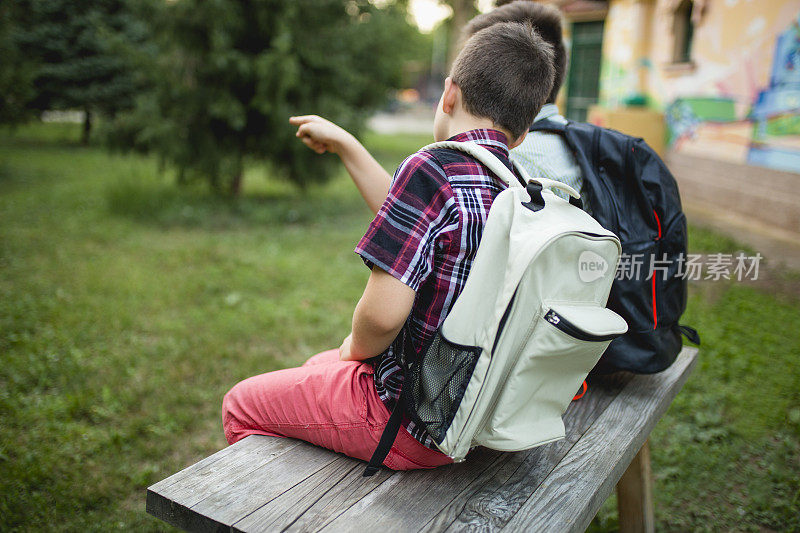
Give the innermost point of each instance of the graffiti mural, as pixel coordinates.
(776, 113)
(766, 132)
(686, 115)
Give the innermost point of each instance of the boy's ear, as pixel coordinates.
(518, 140)
(450, 95)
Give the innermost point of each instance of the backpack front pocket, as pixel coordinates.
(606, 329)
(563, 347)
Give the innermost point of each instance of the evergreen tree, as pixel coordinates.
(16, 73)
(71, 53)
(229, 73)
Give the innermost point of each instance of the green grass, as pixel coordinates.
(128, 307)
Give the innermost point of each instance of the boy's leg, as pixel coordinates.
(332, 405)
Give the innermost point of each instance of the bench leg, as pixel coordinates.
(635, 495)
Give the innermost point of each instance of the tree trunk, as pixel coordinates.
(87, 127)
(236, 184)
(463, 11)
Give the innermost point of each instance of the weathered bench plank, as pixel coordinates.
(270, 484)
(597, 461)
(309, 510)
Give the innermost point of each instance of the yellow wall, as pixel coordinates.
(625, 50)
(637, 121)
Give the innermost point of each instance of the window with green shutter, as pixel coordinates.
(583, 86)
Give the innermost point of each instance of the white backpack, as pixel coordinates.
(526, 330)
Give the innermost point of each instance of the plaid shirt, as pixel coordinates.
(426, 235)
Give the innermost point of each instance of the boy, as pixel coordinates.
(542, 154)
(420, 247)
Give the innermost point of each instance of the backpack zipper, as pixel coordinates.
(602, 170)
(572, 330)
(503, 319)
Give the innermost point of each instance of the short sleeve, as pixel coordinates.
(419, 208)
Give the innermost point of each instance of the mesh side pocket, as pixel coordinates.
(439, 381)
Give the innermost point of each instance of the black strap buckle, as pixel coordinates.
(534, 189)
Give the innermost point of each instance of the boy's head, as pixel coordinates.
(502, 76)
(545, 19)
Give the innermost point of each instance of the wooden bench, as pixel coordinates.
(272, 484)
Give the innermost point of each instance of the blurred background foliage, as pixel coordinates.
(62, 56)
(207, 85)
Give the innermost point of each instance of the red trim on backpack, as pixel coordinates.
(655, 313)
(653, 276)
(658, 222)
(580, 395)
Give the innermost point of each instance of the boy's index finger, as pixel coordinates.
(302, 119)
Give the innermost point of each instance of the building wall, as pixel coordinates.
(739, 99)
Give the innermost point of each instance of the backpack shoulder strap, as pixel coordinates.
(481, 154)
(495, 165)
(548, 125)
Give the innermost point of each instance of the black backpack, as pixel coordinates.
(631, 192)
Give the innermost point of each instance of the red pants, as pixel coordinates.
(327, 402)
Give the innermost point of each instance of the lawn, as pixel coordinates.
(128, 307)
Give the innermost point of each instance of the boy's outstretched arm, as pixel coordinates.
(379, 316)
(322, 136)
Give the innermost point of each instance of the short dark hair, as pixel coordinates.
(545, 19)
(505, 72)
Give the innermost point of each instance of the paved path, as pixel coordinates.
(418, 121)
(778, 246)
